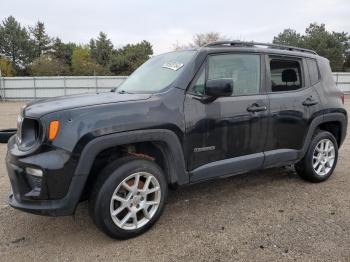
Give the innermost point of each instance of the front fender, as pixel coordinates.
(172, 144)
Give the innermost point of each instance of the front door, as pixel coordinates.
(227, 135)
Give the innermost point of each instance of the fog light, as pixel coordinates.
(34, 172)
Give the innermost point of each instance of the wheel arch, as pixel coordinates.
(333, 127)
(335, 123)
(165, 141)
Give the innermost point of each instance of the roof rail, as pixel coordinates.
(254, 44)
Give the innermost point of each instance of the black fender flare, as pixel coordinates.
(173, 150)
(330, 117)
(178, 173)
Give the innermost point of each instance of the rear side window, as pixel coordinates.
(313, 71)
(285, 75)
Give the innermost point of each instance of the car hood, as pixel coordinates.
(42, 107)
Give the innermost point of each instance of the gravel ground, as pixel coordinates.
(265, 216)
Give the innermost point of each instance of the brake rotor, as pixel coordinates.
(139, 186)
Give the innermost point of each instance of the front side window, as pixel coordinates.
(198, 87)
(244, 69)
(285, 75)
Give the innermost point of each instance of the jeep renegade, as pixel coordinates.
(182, 117)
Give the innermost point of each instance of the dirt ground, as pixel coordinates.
(266, 216)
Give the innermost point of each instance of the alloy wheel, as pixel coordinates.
(135, 201)
(323, 157)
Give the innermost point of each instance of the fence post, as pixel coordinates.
(4, 87)
(96, 84)
(34, 81)
(337, 78)
(64, 86)
(2, 98)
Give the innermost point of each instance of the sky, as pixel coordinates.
(165, 22)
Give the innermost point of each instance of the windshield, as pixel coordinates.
(157, 73)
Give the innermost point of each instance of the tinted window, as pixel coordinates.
(313, 71)
(198, 87)
(285, 75)
(243, 69)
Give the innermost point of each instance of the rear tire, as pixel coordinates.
(320, 159)
(128, 197)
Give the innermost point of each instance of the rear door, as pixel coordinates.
(293, 104)
(227, 135)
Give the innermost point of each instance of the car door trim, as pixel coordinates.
(231, 166)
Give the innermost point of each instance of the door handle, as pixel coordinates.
(256, 108)
(309, 102)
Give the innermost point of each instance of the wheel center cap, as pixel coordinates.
(136, 200)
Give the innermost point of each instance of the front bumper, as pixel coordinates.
(61, 207)
(56, 193)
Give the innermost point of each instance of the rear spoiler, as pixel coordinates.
(5, 135)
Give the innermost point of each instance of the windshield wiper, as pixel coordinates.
(124, 92)
(120, 92)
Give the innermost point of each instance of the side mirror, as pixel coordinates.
(5, 135)
(219, 87)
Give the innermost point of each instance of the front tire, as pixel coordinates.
(128, 197)
(320, 159)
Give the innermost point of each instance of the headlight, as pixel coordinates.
(19, 129)
(28, 132)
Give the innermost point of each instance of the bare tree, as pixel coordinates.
(200, 40)
(206, 38)
(177, 46)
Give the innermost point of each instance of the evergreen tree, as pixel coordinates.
(101, 49)
(15, 42)
(130, 57)
(41, 41)
(332, 45)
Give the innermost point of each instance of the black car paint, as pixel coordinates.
(227, 125)
(244, 140)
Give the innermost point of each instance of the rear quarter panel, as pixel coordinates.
(329, 93)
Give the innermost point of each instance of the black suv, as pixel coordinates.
(181, 118)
